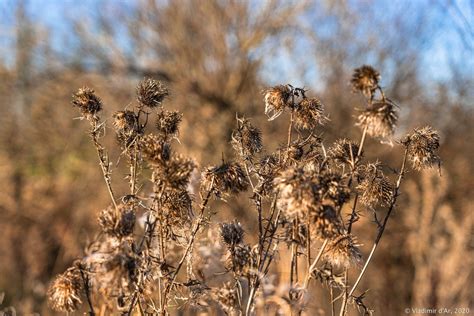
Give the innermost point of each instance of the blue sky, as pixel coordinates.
(445, 45)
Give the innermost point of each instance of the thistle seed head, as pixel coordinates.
(423, 145)
(343, 251)
(87, 101)
(247, 139)
(168, 122)
(365, 79)
(374, 188)
(380, 118)
(151, 93)
(232, 233)
(344, 151)
(239, 259)
(276, 100)
(125, 121)
(64, 294)
(226, 178)
(155, 150)
(296, 192)
(119, 224)
(177, 205)
(309, 114)
(326, 223)
(176, 172)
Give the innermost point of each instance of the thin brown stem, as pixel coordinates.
(380, 230)
(315, 262)
(85, 280)
(190, 243)
(103, 160)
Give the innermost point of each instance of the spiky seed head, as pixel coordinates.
(326, 223)
(176, 172)
(374, 188)
(365, 79)
(87, 101)
(343, 251)
(64, 293)
(119, 223)
(168, 122)
(295, 151)
(125, 121)
(151, 92)
(296, 193)
(177, 205)
(155, 150)
(239, 258)
(226, 178)
(309, 114)
(380, 118)
(344, 151)
(247, 139)
(423, 145)
(232, 233)
(276, 100)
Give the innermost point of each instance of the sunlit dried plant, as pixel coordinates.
(153, 257)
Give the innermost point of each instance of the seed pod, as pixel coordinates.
(423, 145)
(87, 101)
(380, 118)
(151, 93)
(365, 79)
(276, 100)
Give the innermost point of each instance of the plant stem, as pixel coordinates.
(87, 290)
(103, 161)
(380, 230)
(190, 243)
(315, 262)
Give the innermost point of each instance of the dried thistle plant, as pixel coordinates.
(157, 251)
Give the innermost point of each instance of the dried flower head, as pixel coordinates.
(118, 223)
(302, 191)
(366, 80)
(168, 122)
(296, 192)
(276, 100)
(374, 188)
(176, 172)
(332, 188)
(295, 234)
(326, 223)
(343, 151)
(232, 233)
(247, 139)
(239, 258)
(423, 145)
(64, 294)
(87, 101)
(151, 93)
(343, 251)
(177, 206)
(125, 121)
(228, 177)
(155, 150)
(380, 118)
(309, 114)
(295, 151)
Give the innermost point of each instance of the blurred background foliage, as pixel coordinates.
(216, 56)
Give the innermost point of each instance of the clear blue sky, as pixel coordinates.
(445, 45)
